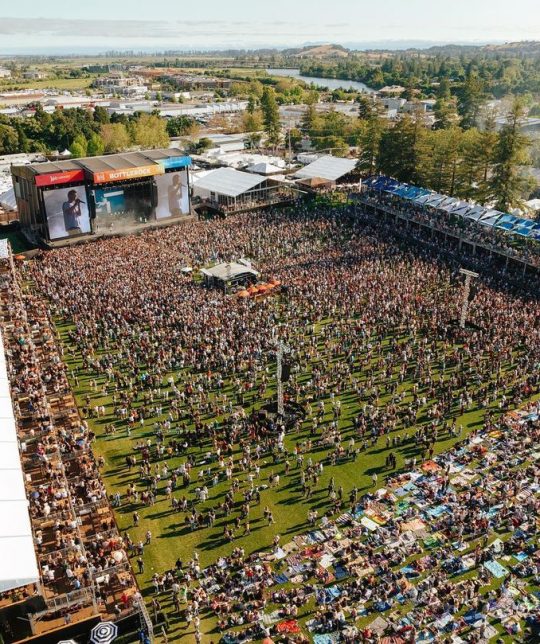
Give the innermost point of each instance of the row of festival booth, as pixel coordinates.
(256, 290)
(423, 197)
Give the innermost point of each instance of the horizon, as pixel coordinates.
(103, 27)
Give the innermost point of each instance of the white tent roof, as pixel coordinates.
(533, 204)
(227, 271)
(18, 564)
(7, 199)
(228, 182)
(4, 249)
(327, 167)
(264, 168)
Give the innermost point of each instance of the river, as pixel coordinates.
(330, 83)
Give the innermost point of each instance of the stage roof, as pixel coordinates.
(228, 271)
(115, 162)
(108, 167)
(18, 564)
(229, 182)
(53, 167)
(327, 167)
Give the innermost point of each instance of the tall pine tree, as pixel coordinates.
(511, 152)
(270, 111)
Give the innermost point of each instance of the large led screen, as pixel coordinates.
(67, 212)
(110, 201)
(173, 196)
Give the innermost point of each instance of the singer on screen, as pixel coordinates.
(72, 213)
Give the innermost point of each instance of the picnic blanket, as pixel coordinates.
(496, 569)
(288, 626)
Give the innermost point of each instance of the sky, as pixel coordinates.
(69, 25)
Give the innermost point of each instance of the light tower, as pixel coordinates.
(466, 292)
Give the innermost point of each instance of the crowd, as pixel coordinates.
(81, 556)
(470, 230)
(378, 363)
(446, 552)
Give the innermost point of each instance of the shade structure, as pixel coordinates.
(228, 182)
(327, 167)
(243, 293)
(103, 633)
(4, 249)
(18, 565)
(444, 205)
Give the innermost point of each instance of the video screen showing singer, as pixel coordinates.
(72, 213)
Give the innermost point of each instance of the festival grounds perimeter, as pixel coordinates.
(172, 537)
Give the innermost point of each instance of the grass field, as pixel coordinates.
(172, 539)
(46, 83)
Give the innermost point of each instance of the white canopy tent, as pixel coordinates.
(227, 182)
(7, 199)
(327, 167)
(264, 168)
(18, 564)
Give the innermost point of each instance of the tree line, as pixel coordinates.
(499, 75)
(86, 132)
(484, 165)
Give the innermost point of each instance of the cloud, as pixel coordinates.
(161, 30)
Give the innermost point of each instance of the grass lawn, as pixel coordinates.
(48, 83)
(172, 538)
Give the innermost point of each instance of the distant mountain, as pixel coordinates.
(523, 48)
(318, 51)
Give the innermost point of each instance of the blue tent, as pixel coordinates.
(507, 222)
(491, 218)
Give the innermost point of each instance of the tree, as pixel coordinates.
(202, 145)
(252, 121)
(469, 175)
(150, 131)
(96, 146)
(366, 107)
(445, 112)
(101, 115)
(115, 137)
(182, 126)
(252, 104)
(470, 100)
(402, 148)
(9, 140)
(309, 118)
(79, 146)
(270, 112)
(22, 143)
(440, 161)
(511, 152)
(369, 142)
(485, 157)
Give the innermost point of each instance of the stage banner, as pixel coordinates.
(57, 178)
(107, 176)
(175, 162)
